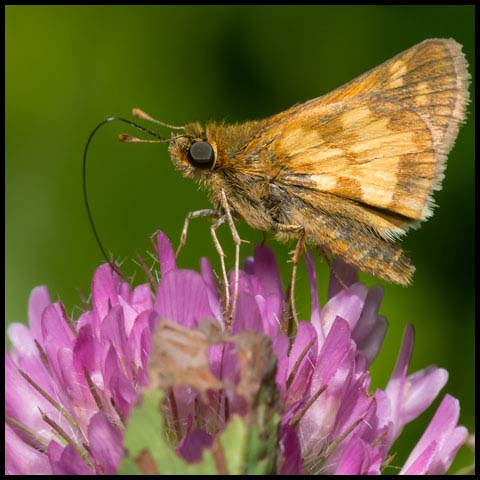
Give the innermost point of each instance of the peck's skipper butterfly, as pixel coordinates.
(350, 171)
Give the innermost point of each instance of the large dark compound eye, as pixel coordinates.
(201, 155)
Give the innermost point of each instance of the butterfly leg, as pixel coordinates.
(299, 232)
(264, 238)
(297, 253)
(191, 215)
(237, 241)
(221, 254)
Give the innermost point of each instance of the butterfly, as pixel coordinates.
(350, 172)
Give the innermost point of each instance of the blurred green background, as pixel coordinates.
(67, 68)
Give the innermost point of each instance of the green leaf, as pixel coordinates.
(128, 467)
(145, 433)
(233, 442)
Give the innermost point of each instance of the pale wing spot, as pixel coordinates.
(379, 189)
(423, 88)
(290, 139)
(324, 183)
(320, 109)
(378, 183)
(398, 82)
(411, 205)
(295, 141)
(397, 71)
(393, 143)
(398, 68)
(320, 159)
(351, 118)
(422, 98)
(326, 153)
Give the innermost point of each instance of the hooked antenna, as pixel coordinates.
(84, 177)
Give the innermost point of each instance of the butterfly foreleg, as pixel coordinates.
(221, 253)
(208, 212)
(237, 241)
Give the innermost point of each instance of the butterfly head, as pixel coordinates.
(192, 153)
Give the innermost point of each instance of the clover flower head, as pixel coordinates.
(71, 385)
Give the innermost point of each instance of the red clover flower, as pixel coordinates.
(72, 385)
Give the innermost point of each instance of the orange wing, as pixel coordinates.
(376, 145)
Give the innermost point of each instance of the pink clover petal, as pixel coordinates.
(358, 458)
(303, 358)
(66, 460)
(55, 329)
(347, 304)
(166, 255)
(112, 330)
(105, 442)
(39, 300)
(339, 270)
(213, 300)
(22, 459)
(84, 352)
(182, 297)
(370, 346)
(104, 290)
(142, 298)
(423, 387)
(314, 304)
(192, 446)
(440, 442)
(292, 453)
(266, 271)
